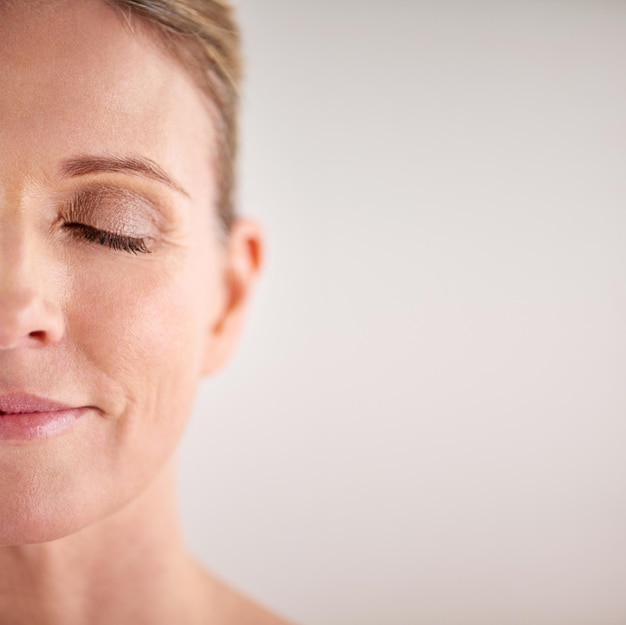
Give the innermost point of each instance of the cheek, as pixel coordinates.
(137, 326)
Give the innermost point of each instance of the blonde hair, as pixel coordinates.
(203, 36)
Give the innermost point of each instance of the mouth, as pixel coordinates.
(25, 417)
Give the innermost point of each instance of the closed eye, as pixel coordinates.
(112, 240)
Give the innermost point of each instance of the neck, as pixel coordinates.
(131, 567)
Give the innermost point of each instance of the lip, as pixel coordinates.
(26, 417)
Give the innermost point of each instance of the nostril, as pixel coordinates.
(26, 319)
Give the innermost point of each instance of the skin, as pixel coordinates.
(88, 522)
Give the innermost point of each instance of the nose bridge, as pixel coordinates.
(17, 253)
(17, 268)
(27, 309)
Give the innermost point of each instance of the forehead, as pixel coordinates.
(79, 77)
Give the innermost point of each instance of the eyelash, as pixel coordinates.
(112, 240)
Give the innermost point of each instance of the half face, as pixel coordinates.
(113, 283)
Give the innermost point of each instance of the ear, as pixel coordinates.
(244, 251)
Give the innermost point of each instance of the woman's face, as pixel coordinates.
(115, 292)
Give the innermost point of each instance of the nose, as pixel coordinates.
(29, 316)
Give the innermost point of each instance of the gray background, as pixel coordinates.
(424, 423)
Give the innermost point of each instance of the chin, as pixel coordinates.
(29, 522)
(49, 504)
(47, 492)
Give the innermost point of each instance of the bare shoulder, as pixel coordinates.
(232, 607)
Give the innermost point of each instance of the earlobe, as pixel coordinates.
(243, 262)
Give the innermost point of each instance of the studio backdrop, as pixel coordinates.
(425, 421)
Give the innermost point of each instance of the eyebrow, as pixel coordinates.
(137, 165)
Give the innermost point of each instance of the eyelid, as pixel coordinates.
(114, 209)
